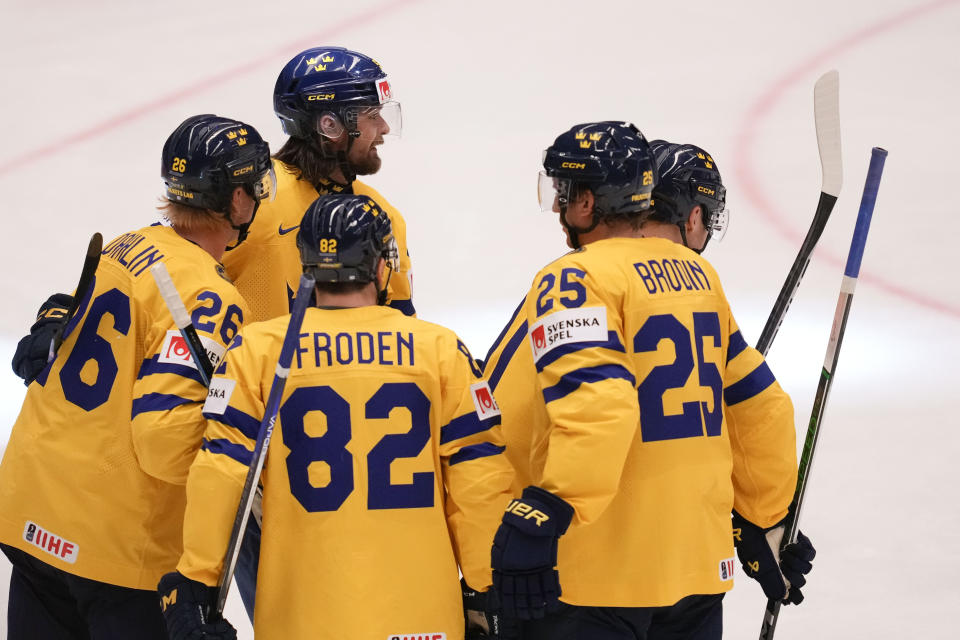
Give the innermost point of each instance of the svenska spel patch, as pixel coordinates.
(726, 569)
(218, 395)
(175, 351)
(483, 400)
(417, 636)
(588, 324)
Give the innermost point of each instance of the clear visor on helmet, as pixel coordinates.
(390, 253)
(265, 187)
(386, 119)
(553, 193)
(717, 223)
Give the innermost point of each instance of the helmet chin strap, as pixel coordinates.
(574, 232)
(382, 293)
(243, 230)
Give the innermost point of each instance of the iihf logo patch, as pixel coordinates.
(484, 401)
(726, 569)
(50, 543)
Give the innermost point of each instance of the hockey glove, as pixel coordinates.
(525, 553)
(482, 613)
(184, 602)
(759, 552)
(32, 352)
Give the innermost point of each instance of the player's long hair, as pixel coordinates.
(308, 158)
(191, 219)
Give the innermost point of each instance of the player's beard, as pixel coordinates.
(368, 164)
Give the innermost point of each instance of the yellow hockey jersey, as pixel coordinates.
(92, 480)
(266, 267)
(654, 419)
(385, 471)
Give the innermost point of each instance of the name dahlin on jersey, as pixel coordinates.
(588, 324)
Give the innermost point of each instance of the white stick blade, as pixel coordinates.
(826, 114)
(170, 295)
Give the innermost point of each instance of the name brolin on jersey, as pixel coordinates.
(381, 347)
(122, 249)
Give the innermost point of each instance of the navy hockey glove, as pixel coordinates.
(759, 552)
(795, 563)
(184, 602)
(525, 554)
(481, 610)
(32, 352)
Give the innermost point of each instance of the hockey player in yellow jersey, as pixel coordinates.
(336, 105)
(92, 481)
(655, 420)
(386, 469)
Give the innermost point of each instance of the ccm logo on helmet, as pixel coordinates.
(243, 170)
(709, 192)
(318, 97)
(573, 165)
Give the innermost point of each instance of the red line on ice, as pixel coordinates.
(767, 101)
(222, 76)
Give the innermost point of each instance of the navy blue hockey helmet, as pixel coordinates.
(687, 177)
(611, 158)
(207, 157)
(343, 237)
(336, 81)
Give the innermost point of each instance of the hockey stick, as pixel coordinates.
(826, 117)
(877, 158)
(182, 319)
(90, 262)
(290, 340)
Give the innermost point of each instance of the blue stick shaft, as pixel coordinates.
(877, 158)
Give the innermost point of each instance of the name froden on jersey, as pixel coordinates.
(587, 324)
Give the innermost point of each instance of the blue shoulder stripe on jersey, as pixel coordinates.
(507, 355)
(474, 451)
(158, 402)
(152, 366)
(230, 449)
(750, 385)
(571, 381)
(242, 422)
(737, 345)
(513, 316)
(612, 342)
(406, 306)
(466, 425)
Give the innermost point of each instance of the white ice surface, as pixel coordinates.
(91, 90)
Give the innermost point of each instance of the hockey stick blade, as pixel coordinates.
(290, 341)
(844, 303)
(826, 116)
(181, 318)
(90, 263)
